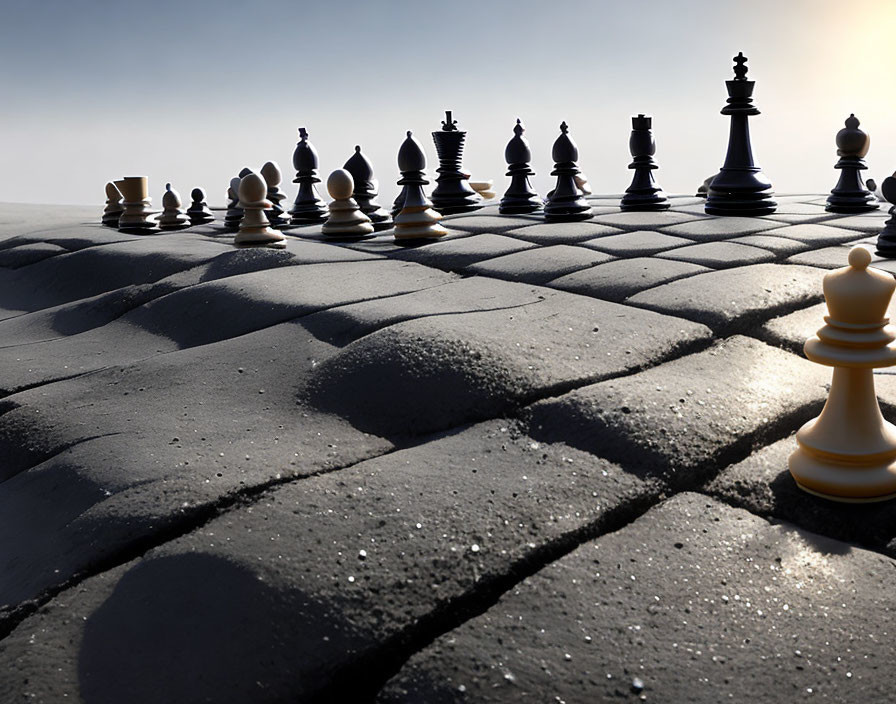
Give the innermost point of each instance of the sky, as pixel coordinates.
(192, 91)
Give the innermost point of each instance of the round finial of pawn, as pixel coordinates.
(245, 171)
(411, 156)
(197, 194)
(340, 185)
(859, 258)
(852, 141)
(171, 198)
(359, 166)
(271, 173)
(252, 188)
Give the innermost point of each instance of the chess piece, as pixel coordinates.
(234, 212)
(452, 193)
(199, 212)
(346, 217)
(173, 216)
(484, 189)
(417, 219)
(848, 453)
(565, 202)
(643, 194)
(886, 240)
(308, 208)
(254, 227)
(704, 187)
(113, 210)
(871, 185)
(365, 191)
(135, 216)
(740, 188)
(850, 194)
(519, 196)
(582, 184)
(398, 203)
(272, 176)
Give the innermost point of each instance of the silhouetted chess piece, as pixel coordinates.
(886, 240)
(417, 219)
(582, 183)
(452, 193)
(565, 202)
(848, 453)
(135, 216)
(365, 190)
(740, 188)
(113, 210)
(850, 194)
(346, 220)
(398, 203)
(234, 212)
(254, 229)
(272, 176)
(199, 212)
(519, 197)
(308, 207)
(643, 194)
(703, 189)
(173, 216)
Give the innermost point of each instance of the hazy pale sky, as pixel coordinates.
(192, 91)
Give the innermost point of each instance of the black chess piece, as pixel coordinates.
(234, 210)
(886, 240)
(398, 203)
(114, 208)
(850, 194)
(418, 220)
(365, 192)
(519, 196)
(703, 188)
(199, 212)
(308, 207)
(740, 188)
(643, 194)
(565, 202)
(453, 193)
(272, 176)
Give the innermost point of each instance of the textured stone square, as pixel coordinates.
(562, 232)
(686, 418)
(792, 330)
(456, 253)
(637, 243)
(719, 255)
(780, 613)
(539, 265)
(476, 222)
(640, 220)
(719, 228)
(818, 235)
(872, 222)
(778, 245)
(619, 279)
(736, 299)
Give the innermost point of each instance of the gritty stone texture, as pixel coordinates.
(619, 279)
(490, 223)
(778, 245)
(640, 220)
(540, 265)
(709, 229)
(684, 418)
(719, 254)
(25, 254)
(817, 235)
(644, 610)
(792, 330)
(867, 223)
(736, 299)
(635, 244)
(827, 258)
(455, 254)
(562, 233)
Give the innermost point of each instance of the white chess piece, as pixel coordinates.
(173, 216)
(346, 218)
(254, 227)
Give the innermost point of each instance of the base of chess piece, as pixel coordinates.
(850, 194)
(744, 192)
(644, 194)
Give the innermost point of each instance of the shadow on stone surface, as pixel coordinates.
(200, 628)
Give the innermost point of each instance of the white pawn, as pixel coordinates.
(254, 227)
(114, 208)
(272, 176)
(346, 218)
(173, 216)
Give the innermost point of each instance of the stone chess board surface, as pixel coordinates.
(527, 462)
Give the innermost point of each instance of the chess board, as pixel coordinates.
(528, 459)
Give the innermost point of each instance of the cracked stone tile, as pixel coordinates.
(636, 243)
(778, 613)
(638, 220)
(562, 232)
(719, 254)
(735, 299)
(318, 601)
(718, 228)
(540, 265)
(684, 418)
(778, 245)
(762, 484)
(455, 254)
(621, 278)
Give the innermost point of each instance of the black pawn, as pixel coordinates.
(199, 212)
(519, 196)
(643, 194)
(850, 194)
(886, 240)
(366, 185)
(453, 193)
(565, 202)
(234, 211)
(308, 207)
(740, 188)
